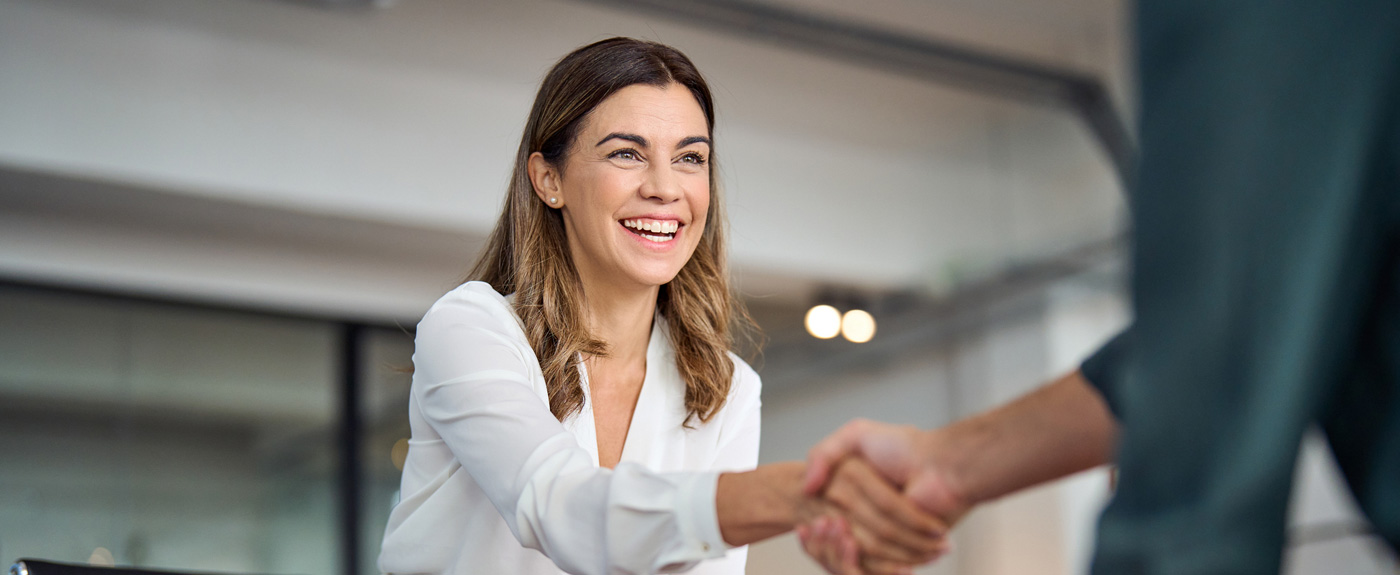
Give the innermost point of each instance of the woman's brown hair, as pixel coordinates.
(527, 253)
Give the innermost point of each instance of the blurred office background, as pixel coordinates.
(221, 219)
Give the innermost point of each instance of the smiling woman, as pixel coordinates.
(576, 405)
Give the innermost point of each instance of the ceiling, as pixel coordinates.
(349, 161)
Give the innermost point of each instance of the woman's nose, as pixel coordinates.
(662, 184)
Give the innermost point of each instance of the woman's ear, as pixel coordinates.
(545, 179)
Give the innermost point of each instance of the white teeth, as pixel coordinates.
(659, 227)
(658, 239)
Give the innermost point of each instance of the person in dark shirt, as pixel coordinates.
(1266, 290)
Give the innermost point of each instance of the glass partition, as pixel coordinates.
(159, 435)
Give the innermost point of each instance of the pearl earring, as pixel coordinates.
(553, 201)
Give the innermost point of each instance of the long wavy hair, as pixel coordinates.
(528, 255)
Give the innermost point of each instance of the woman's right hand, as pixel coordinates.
(861, 524)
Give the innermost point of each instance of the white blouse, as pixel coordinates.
(494, 484)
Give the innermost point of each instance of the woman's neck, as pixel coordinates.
(622, 319)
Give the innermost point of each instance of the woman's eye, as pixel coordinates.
(629, 155)
(696, 159)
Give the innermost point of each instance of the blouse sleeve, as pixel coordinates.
(737, 448)
(473, 385)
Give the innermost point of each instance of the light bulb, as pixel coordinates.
(858, 326)
(823, 322)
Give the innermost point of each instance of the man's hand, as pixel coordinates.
(903, 455)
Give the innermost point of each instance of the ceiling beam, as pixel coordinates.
(919, 324)
(925, 58)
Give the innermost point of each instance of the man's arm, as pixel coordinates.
(1059, 429)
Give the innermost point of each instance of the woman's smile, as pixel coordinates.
(656, 233)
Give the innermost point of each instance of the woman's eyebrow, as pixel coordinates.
(695, 140)
(640, 141)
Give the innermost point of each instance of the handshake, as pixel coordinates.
(879, 499)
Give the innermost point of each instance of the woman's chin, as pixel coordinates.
(653, 277)
(650, 271)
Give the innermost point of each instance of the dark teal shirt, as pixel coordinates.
(1265, 283)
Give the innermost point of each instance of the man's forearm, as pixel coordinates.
(1059, 429)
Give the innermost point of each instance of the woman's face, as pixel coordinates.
(634, 190)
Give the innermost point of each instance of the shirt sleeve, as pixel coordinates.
(738, 448)
(1104, 369)
(472, 382)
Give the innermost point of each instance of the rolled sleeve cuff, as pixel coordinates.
(662, 522)
(1104, 369)
(698, 518)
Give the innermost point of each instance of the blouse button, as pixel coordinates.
(705, 547)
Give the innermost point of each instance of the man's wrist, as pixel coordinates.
(947, 453)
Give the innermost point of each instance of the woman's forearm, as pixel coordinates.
(768, 501)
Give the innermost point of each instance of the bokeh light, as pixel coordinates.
(858, 326)
(823, 322)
